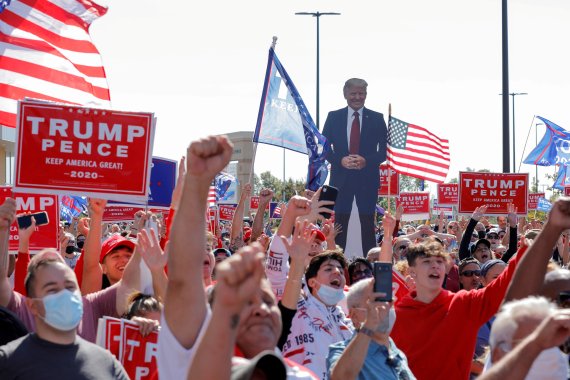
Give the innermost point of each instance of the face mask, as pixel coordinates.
(64, 310)
(550, 364)
(386, 326)
(330, 296)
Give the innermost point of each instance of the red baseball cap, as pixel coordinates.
(113, 243)
(246, 235)
(319, 236)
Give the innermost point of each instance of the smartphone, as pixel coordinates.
(25, 221)
(328, 193)
(383, 281)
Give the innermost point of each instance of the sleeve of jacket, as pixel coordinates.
(328, 131)
(381, 137)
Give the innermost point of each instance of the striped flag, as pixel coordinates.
(416, 152)
(212, 198)
(47, 53)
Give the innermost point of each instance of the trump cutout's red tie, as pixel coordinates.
(355, 135)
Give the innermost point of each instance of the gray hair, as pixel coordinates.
(354, 82)
(512, 313)
(357, 293)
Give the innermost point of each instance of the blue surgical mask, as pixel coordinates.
(64, 310)
(330, 296)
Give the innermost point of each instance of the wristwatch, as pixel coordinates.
(366, 331)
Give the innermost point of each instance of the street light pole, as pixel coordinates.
(318, 16)
(513, 94)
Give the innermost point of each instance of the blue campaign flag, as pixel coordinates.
(543, 205)
(71, 206)
(553, 149)
(562, 179)
(162, 182)
(283, 120)
(224, 189)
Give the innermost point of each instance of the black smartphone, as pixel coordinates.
(328, 193)
(383, 281)
(25, 220)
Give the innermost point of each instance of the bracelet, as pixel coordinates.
(366, 331)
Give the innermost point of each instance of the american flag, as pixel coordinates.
(416, 152)
(212, 198)
(47, 54)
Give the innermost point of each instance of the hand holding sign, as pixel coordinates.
(207, 157)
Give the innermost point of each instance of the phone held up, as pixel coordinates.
(328, 193)
(25, 220)
(383, 281)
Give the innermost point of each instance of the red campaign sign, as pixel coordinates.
(447, 194)
(533, 200)
(399, 287)
(414, 203)
(46, 236)
(139, 353)
(226, 212)
(496, 190)
(566, 190)
(65, 149)
(120, 213)
(394, 182)
(136, 353)
(254, 202)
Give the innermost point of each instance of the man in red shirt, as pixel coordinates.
(446, 322)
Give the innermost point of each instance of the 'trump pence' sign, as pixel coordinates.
(496, 190)
(46, 236)
(76, 150)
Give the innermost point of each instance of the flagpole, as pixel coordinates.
(251, 170)
(524, 148)
(389, 168)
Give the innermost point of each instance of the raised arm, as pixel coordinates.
(512, 232)
(239, 281)
(155, 259)
(265, 196)
(236, 234)
(92, 277)
(386, 253)
(7, 216)
(466, 239)
(529, 276)
(185, 302)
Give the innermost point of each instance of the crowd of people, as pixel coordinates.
(480, 299)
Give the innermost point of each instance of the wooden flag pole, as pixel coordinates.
(251, 171)
(389, 168)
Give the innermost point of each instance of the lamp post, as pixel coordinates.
(513, 94)
(317, 15)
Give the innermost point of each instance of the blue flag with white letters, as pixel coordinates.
(562, 179)
(543, 205)
(553, 149)
(283, 120)
(71, 206)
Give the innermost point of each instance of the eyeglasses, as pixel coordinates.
(470, 273)
(494, 237)
(362, 273)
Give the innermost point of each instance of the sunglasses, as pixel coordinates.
(470, 273)
(492, 236)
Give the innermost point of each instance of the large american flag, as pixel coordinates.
(46, 53)
(416, 152)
